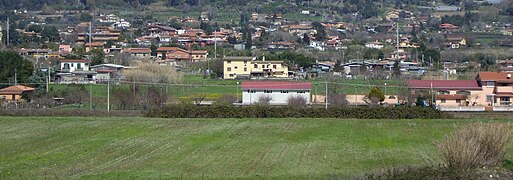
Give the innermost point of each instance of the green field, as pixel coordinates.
(143, 148)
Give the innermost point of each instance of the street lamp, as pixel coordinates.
(237, 91)
(385, 89)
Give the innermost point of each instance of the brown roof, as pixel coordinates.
(169, 49)
(495, 76)
(74, 60)
(15, 90)
(94, 44)
(138, 50)
(199, 52)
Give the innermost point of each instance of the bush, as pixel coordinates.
(297, 101)
(475, 146)
(260, 111)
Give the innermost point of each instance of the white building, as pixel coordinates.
(278, 91)
(70, 65)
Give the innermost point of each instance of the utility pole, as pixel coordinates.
(48, 80)
(397, 40)
(91, 96)
(7, 39)
(15, 77)
(90, 36)
(326, 104)
(108, 94)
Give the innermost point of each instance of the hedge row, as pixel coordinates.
(68, 112)
(177, 111)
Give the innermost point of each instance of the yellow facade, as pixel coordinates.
(240, 67)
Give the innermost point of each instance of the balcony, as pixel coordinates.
(504, 89)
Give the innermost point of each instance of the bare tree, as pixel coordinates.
(264, 100)
(155, 97)
(198, 98)
(297, 101)
(153, 72)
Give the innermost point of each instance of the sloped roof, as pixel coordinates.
(276, 85)
(450, 96)
(15, 90)
(444, 84)
(495, 76)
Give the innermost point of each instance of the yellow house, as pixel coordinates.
(249, 67)
(13, 93)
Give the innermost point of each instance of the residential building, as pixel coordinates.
(449, 92)
(199, 55)
(70, 65)
(497, 88)
(138, 52)
(282, 45)
(94, 45)
(506, 65)
(13, 93)
(375, 45)
(249, 67)
(455, 41)
(278, 92)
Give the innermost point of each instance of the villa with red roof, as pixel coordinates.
(13, 93)
(278, 91)
(489, 89)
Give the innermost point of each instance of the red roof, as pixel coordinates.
(495, 76)
(138, 50)
(443, 84)
(276, 85)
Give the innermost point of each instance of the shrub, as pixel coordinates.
(264, 100)
(259, 111)
(297, 101)
(476, 145)
(339, 100)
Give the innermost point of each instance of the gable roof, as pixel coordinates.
(276, 85)
(137, 50)
(73, 61)
(444, 84)
(495, 76)
(15, 90)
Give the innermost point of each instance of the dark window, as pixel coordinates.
(274, 66)
(256, 66)
(268, 91)
(442, 101)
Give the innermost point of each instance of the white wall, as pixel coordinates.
(73, 66)
(278, 98)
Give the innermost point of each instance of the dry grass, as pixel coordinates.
(479, 145)
(153, 72)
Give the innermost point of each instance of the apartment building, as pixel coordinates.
(250, 67)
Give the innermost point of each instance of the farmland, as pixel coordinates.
(109, 148)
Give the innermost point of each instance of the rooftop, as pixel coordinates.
(276, 85)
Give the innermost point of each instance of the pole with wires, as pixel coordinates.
(326, 104)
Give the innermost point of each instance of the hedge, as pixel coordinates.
(187, 111)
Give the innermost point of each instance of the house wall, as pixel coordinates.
(232, 69)
(10, 97)
(73, 66)
(278, 98)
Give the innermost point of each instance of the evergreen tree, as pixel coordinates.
(396, 70)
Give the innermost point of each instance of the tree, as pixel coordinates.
(85, 17)
(98, 57)
(396, 70)
(50, 34)
(153, 49)
(306, 39)
(12, 63)
(296, 101)
(375, 96)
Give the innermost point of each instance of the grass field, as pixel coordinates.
(122, 148)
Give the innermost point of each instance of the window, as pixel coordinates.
(79, 66)
(466, 93)
(245, 69)
(301, 92)
(443, 92)
(505, 98)
(231, 75)
(458, 100)
(229, 62)
(235, 67)
(263, 66)
(490, 83)
(274, 66)
(256, 66)
(268, 91)
(71, 64)
(228, 69)
(284, 91)
(245, 62)
(489, 98)
(442, 101)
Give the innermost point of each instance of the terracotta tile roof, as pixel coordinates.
(170, 49)
(494, 76)
(94, 44)
(443, 84)
(74, 60)
(450, 96)
(276, 85)
(15, 90)
(138, 50)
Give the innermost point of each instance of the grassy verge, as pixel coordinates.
(109, 148)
